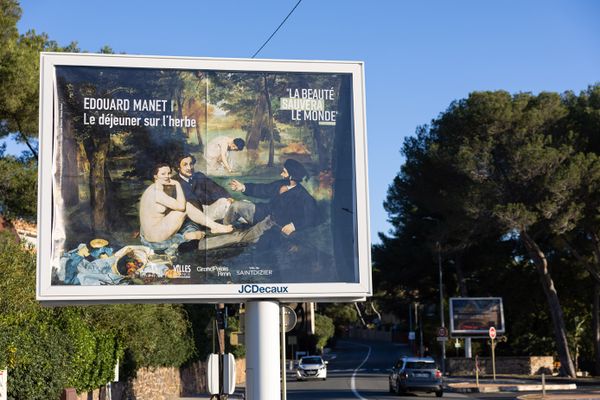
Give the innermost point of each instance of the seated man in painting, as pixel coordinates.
(163, 213)
(199, 190)
(290, 208)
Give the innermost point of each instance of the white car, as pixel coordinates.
(311, 367)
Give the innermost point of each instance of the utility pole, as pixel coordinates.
(442, 322)
(443, 343)
(221, 325)
(419, 323)
(411, 339)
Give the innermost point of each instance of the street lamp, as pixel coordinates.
(438, 247)
(439, 251)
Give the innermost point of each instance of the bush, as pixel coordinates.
(35, 355)
(151, 335)
(200, 317)
(48, 349)
(32, 345)
(238, 350)
(93, 352)
(324, 330)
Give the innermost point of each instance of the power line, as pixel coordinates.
(280, 25)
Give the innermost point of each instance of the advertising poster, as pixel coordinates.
(166, 176)
(474, 316)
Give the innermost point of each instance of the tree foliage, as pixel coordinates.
(324, 330)
(495, 184)
(340, 313)
(18, 187)
(48, 349)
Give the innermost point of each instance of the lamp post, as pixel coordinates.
(438, 247)
(443, 342)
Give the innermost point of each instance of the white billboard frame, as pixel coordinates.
(476, 332)
(203, 293)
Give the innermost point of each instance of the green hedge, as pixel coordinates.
(93, 351)
(48, 349)
(238, 350)
(35, 356)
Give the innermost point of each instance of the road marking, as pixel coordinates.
(353, 380)
(372, 370)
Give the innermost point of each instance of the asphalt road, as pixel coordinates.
(357, 370)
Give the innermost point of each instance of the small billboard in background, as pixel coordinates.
(199, 180)
(474, 316)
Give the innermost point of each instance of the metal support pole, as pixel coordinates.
(494, 359)
(221, 315)
(411, 342)
(262, 357)
(421, 349)
(477, 371)
(416, 305)
(311, 308)
(468, 348)
(443, 343)
(214, 335)
(283, 373)
(543, 386)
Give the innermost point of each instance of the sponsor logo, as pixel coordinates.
(254, 272)
(182, 271)
(263, 289)
(219, 270)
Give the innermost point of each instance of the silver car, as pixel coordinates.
(416, 374)
(311, 367)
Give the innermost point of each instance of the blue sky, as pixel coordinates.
(419, 55)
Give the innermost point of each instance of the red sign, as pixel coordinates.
(442, 332)
(493, 333)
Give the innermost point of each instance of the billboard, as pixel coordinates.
(188, 179)
(474, 316)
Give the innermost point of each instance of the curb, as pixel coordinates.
(589, 396)
(491, 388)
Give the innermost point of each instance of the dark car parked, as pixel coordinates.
(416, 374)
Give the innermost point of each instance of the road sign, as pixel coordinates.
(492, 333)
(442, 338)
(442, 331)
(411, 335)
(289, 318)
